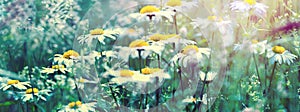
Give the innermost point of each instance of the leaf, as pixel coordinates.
(7, 103)
(5, 73)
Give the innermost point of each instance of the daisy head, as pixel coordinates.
(67, 58)
(30, 93)
(189, 100)
(247, 6)
(138, 48)
(180, 6)
(207, 78)
(98, 34)
(152, 13)
(78, 106)
(174, 3)
(55, 68)
(281, 55)
(14, 84)
(169, 38)
(191, 54)
(70, 54)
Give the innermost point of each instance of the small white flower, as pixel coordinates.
(54, 69)
(259, 9)
(98, 34)
(96, 55)
(78, 106)
(152, 13)
(7, 83)
(180, 6)
(136, 47)
(31, 92)
(281, 55)
(253, 47)
(191, 54)
(209, 77)
(68, 58)
(189, 100)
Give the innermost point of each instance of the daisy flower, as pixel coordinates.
(14, 83)
(124, 76)
(67, 58)
(191, 54)
(152, 13)
(170, 38)
(255, 46)
(99, 34)
(82, 81)
(281, 55)
(212, 23)
(136, 47)
(155, 72)
(259, 9)
(78, 106)
(29, 93)
(189, 100)
(97, 55)
(179, 5)
(207, 78)
(55, 68)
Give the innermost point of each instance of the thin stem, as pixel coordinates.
(272, 75)
(114, 97)
(175, 24)
(158, 60)
(257, 72)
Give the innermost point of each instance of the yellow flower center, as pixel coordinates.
(189, 48)
(131, 31)
(147, 70)
(254, 41)
(194, 99)
(10, 82)
(250, 2)
(158, 37)
(174, 3)
(126, 73)
(212, 18)
(138, 43)
(70, 53)
(78, 103)
(58, 66)
(29, 91)
(81, 80)
(278, 49)
(75, 104)
(149, 9)
(97, 31)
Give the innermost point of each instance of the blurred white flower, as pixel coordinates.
(246, 6)
(96, 55)
(152, 13)
(14, 83)
(212, 23)
(207, 78)
(68, 58)
(54, 69)
(281, 55)
(99, 34)
(191, 54)
(136, 47)
(170, 38)
(31, 92)
(82, 81)
(78, 106)
(180, 6)
(189, 100)
(254, 46)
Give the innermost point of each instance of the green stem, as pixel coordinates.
(114, 97)
(175, 24)
(257, 72)
(272, 76)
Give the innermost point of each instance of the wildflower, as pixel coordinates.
(255, 46)
(281, 55)
(82, 81)
(191, 54)
(14, 83)
(97, 55)
(31, 92)
(54, 69)
(179, 5)
(67, 58)
(248, 5)
(170, 38)
(189, 100)
(207, 78)
(212, 23)
(78, 106)
(152, 13)
(155, 72)
(136, 47)
(99, 34)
